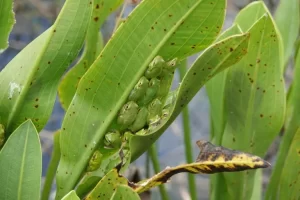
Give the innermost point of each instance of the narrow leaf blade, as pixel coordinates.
(290, 177)
(52, 167)
(292, 124)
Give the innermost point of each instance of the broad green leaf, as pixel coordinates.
(7, 20)
(291, 127)
(28, 83)
(215, 59)
(21, 164)
(155, 27)
(215, 91)
(71, 196)
(290, 176)
(254, 99)
(93, 46)
(107, 185)
(287, 18)
(52, 167)
(211, 159)
(124, 192)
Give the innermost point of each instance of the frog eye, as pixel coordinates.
(95, 161)
(172, 63)
(170, 66)
(165, 113)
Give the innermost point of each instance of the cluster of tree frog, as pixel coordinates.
(146, 106)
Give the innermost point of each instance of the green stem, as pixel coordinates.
(187, 137)
(51, 171)
(156, 167)
(147, 165)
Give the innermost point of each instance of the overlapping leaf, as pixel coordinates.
(21, 164)
(156, 27)
(215, 59)
(7, 20)
(93, 46)
(252, 122)
(28, 83)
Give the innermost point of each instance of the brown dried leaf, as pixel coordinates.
(211, 159)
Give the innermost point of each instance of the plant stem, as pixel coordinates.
(52, 167)
(153, 156)
(187, 137)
